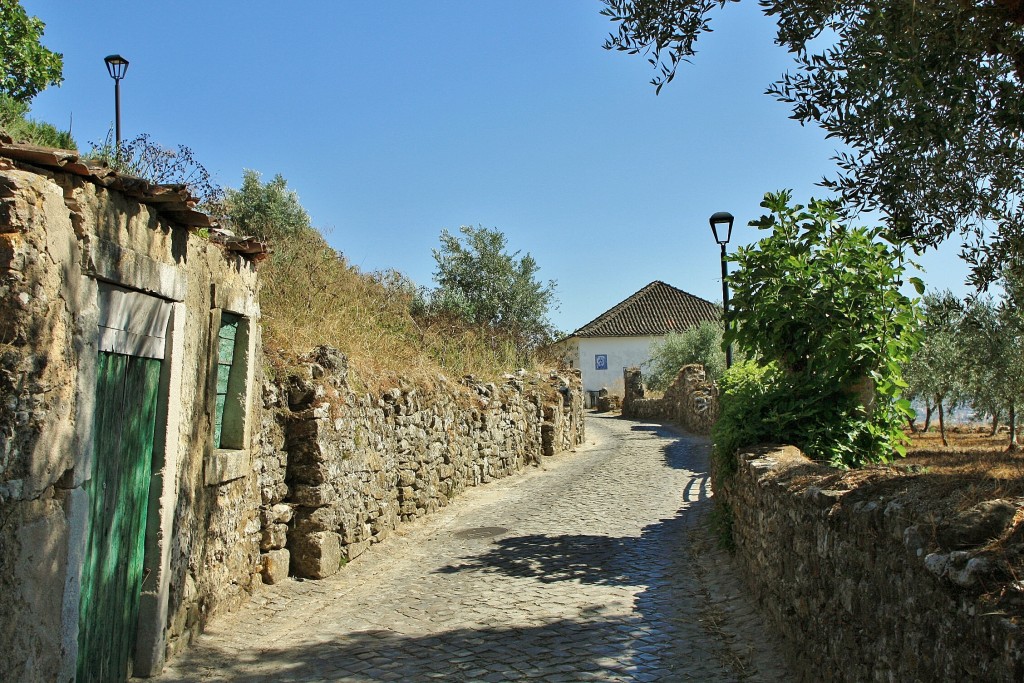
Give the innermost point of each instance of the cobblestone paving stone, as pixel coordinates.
(593, 567)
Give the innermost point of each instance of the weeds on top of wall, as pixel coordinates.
(145, 158)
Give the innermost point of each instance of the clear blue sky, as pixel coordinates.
(393, 120)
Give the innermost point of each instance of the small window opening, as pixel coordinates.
(232, 371)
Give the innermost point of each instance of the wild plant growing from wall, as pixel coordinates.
(818, 305)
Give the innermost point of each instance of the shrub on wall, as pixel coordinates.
(762, 403)
(818, 304)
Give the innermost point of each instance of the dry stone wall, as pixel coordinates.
(690, 401)
(352, 466)
(850, 580)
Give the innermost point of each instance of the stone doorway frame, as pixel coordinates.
(130, 270)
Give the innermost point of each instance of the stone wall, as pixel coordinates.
(856, 583)
(352, 466)
(690, 401)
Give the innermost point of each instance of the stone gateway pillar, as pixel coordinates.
(634, 383)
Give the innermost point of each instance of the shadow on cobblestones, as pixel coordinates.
(665, 627)
(583, 558)
(563, 650)
(597, 579)
(588, 559)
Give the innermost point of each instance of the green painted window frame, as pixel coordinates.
(231, 371)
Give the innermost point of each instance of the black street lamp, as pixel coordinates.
(724, 220)
(117, 66)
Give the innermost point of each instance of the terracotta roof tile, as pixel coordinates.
(656, 309)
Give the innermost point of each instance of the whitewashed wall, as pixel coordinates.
(622, 352)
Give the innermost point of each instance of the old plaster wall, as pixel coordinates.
(60, 235)
(37, 437)
(851, 580)
(352, 466)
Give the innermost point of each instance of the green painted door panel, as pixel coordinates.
(127, 392)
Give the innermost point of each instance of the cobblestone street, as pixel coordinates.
(593, 567)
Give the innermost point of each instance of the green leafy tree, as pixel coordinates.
(480, 283)
(926, 95)
(935, 370)
(26, 67)
(270, 211)
(701, 344)
(821, 303)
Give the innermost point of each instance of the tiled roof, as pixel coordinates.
(656, 309)
(171, 201)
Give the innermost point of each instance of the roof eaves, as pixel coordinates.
(172, 201)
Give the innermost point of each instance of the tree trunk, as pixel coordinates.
(942, 422)
(995, 422)
(1012, 420)
(928, 408)
(913, 425)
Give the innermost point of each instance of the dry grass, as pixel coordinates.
(312, 296)
(960, 438)
(971, 468)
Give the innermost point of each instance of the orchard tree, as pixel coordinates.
(927, 96)
(935, 371)
(480, 283)
(26, 67)
(991, 341)
(993, 370)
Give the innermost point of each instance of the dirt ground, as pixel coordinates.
(978, 464)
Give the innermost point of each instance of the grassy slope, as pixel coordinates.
(312, 296)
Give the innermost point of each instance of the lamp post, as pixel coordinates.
(117, 66)
(723, 219)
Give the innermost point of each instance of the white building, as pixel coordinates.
(622, 336)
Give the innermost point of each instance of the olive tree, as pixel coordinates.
(927, 97)
(935, 371)
(267, 210)
(991, 345)
(480, 283)
(700, 344)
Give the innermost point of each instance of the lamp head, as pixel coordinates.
(724, 220)
(117, 66)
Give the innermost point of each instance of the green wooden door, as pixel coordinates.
(127, 390)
